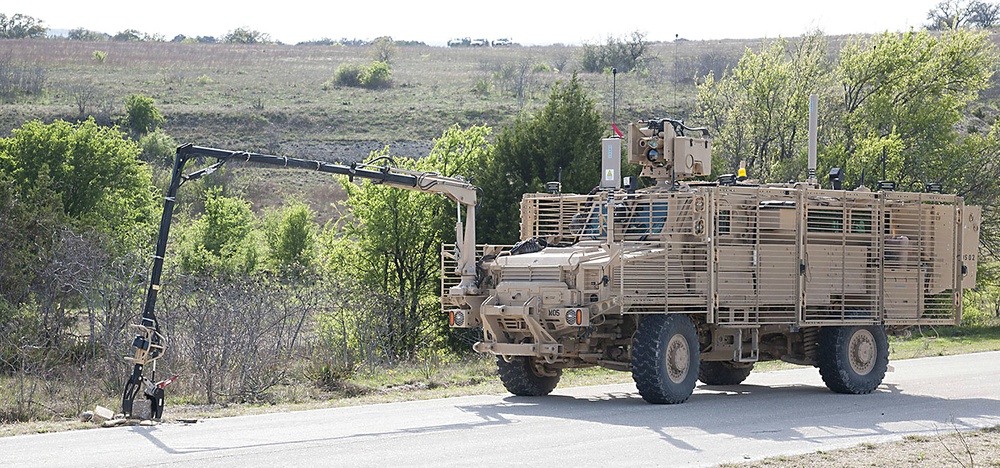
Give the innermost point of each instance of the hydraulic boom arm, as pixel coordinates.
(150, 343)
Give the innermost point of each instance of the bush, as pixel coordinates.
(376, 76)
(141, 114)
(222, 240)
(347, 74)
(93, 171)
(157, 148)
(291, 234)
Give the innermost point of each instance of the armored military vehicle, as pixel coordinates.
(685, 280)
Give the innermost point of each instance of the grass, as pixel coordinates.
(421, 380)
(945, 341)
(248, 97)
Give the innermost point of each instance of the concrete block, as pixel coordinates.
(102, 414)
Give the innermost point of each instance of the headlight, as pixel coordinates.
(458, 319)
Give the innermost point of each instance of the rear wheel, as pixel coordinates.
(853, 359)
(665, 355)
(723, 372)
(521, 377)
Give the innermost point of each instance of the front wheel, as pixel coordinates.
(665, 356)
(853, 359)
(522, 378)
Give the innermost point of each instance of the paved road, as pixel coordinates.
(784, 412)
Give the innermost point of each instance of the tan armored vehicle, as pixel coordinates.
(686, 281)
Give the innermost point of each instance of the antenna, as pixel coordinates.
(813, 103)
(614, 98)
(883, 163)
(673, 86)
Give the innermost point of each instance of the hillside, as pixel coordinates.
(272, 97)
(277, 98)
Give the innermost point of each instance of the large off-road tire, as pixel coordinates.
(665, 355)
(723, 372)
(521, 378)
(853, 359)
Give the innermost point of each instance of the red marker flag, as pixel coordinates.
(617, 132)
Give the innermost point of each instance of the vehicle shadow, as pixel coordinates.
(802, 413)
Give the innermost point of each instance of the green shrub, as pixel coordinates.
(376, 76)
(224, 239)
(157, 148)
(347, 74)
(100, 56)
(141, 114)
(481, 88)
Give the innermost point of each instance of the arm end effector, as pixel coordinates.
(149, 346)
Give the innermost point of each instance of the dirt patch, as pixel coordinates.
(963, 449)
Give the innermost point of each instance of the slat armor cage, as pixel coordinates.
(750, 256)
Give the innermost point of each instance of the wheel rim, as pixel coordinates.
(678, 359)
(862, 352)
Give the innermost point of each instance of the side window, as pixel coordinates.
(725, 222)
(861, 222)
(825, 221)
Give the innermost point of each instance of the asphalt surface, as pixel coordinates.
(772, 413)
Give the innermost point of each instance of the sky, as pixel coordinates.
(528, 22)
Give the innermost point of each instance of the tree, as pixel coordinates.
(984, 15)
(913, 87)
(246, 36)
(141, 114)
(94, 171)
(759, 109)
(376, 76)
(383, 49)
(128, 35)
(562, 139)
(949, 14)
(18, 26)
(83, 34)
(222, 240)
(391, 241)
(291, 238)
(625, 54)
(954, 14)
(27, 220)
(900, 95)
